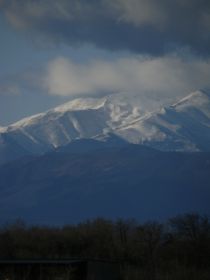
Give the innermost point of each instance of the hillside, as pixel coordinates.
(128, 181)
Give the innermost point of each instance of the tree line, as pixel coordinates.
(176, 249)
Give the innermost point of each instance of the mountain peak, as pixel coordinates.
(81, 104)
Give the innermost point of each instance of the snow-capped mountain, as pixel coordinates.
(183, 126)
(77, 119)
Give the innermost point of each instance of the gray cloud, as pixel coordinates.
(150, 81)
(9, 89)
(16, 84)
(142, 26)
(140, 12)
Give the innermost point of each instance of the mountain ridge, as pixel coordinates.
(182, 126)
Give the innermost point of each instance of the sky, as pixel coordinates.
(52, 51)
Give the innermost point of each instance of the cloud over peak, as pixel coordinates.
(165, 77)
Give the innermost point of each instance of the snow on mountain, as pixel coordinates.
(80, 118)
(183, 126)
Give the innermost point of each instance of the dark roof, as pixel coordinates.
(53, 261)
(40, 261)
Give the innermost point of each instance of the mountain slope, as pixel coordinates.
(183, 126)
(10, 149)
(130, 181)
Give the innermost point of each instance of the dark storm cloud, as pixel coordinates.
(142, 26)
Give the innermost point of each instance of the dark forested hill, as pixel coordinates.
(70, 185)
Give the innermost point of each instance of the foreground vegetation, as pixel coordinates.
(177, 249)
